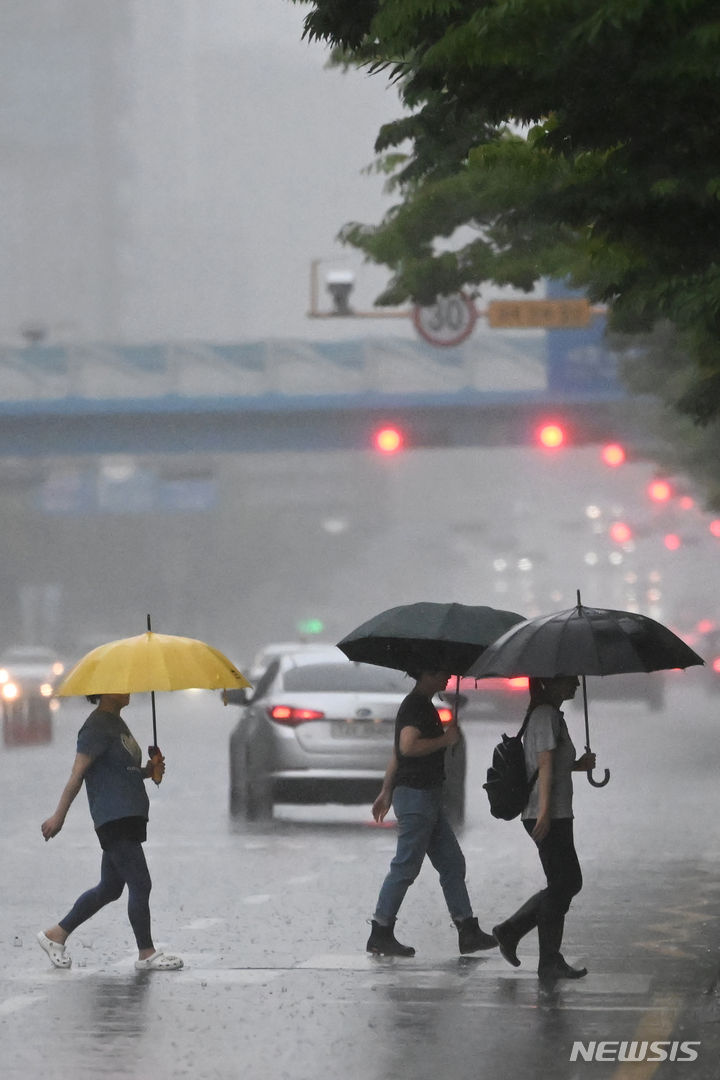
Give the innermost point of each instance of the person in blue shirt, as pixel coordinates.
(109, 761)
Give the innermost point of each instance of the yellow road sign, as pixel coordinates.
(543, 314)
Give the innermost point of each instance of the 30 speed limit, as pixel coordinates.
(450, 320)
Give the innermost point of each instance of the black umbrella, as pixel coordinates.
(585, 641)
(413, 637)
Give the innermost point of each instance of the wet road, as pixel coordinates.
(272, 923)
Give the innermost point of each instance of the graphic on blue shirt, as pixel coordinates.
(114, 782)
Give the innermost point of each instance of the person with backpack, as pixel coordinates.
(550, 760)
(413, 786)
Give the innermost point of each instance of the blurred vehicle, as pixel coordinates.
(483, 698)
(318, 728)
(28, 677)
(646, 687)
(494, 697)
(281, 648)
(707, 645)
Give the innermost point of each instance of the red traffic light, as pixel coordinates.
(659, 490)
(551, 436)
(620, 532)
(613, 454)
(388, 440)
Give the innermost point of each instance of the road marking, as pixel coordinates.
(651, 1027)
(202, 924)
(22, 1001)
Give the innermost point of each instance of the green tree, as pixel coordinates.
(565, 138)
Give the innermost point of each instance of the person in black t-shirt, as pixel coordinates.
(413, 786)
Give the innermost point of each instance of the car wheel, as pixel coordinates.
(250, 799)
(455, 804)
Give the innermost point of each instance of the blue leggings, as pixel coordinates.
(123, 863)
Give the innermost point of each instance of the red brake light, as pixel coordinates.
(446, 715)
(716, 664)
(289, 714)
(520, 682)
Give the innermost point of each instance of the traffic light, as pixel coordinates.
(672, 541)
(620, 532)
(388, 440)
(659, 490)
(613, 454)
(551, 435)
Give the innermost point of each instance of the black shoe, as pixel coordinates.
(471, 938)
(382, 942)
(559, 969)
(507, 943)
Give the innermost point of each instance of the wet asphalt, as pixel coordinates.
(272, 922)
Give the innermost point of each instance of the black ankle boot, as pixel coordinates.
(382, 942)
(471, 938)
(509, 933)
(559, 969)
(507, 941)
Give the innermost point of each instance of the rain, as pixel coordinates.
(175, 176)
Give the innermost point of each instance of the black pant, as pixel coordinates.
(547, 908)
(123, 863)
(560, 863)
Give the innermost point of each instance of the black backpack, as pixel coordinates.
(508, 787)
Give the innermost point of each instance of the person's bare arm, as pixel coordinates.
(52, 826)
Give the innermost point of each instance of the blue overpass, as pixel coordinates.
(297, 395)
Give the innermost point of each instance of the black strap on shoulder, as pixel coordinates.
(521, 732)
(526, 721)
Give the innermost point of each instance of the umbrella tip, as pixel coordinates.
(579, 601)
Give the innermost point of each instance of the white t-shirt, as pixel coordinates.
(547, 730)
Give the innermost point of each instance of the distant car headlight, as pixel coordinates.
(10, 691)
(58, 667)
(46, 689)
(4, 675)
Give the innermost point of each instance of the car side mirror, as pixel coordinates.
(236, 697)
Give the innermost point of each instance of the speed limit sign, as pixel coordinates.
(450, 320)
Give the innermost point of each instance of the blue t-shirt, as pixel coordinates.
(114, 781)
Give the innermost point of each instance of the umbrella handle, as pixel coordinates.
(598, 783)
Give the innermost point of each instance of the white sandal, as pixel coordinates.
(159, 961)
(54, 950)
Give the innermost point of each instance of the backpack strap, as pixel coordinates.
(521, 732)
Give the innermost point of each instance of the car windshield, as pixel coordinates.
(346, 678)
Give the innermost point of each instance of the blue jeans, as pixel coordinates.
(423, 830)
(123, 863)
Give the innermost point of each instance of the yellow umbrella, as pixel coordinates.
(150, 662)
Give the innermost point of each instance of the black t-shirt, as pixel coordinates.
(419, 772)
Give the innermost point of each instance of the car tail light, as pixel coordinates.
(291, 715)
(716, 665)
(520, 682)
(446, 715)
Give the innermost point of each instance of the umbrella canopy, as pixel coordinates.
(427, 635)
(585, 641)
(150, 662)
